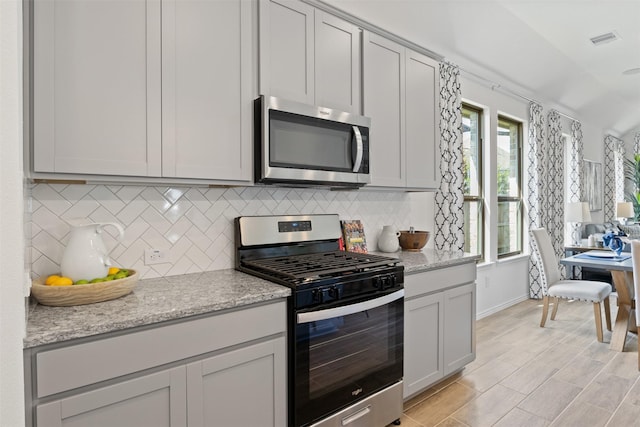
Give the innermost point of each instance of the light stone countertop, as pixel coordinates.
(177, 297)
(429, 259)
(152, 301)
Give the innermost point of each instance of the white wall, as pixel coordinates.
(12, 310)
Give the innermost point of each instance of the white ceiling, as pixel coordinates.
(538, 48)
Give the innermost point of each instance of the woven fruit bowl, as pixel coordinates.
(65, 296)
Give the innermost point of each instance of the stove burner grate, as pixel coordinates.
(307, 266)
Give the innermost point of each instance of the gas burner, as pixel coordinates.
(307, 267)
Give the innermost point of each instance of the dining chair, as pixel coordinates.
(554, 287)
(635, 255)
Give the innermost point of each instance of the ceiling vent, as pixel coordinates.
(605, 38)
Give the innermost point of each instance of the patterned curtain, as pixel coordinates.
(613, 171)
(536, 172)
(546, 186)
(555, 186)
(576, 156)
(636, 144)
(576, 187)
(449, 199)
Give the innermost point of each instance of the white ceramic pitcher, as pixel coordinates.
(388, 240)
(85, 256)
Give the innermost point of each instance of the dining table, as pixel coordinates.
(621, 269)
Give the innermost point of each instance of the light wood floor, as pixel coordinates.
(524, 375)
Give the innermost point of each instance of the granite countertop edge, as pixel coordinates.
(178, 297)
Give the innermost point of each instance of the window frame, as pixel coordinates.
(480, 198)
(517, 198)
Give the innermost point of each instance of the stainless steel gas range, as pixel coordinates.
(345, 319)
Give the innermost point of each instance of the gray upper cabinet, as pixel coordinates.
(422, 121)
(401, 95)
(143, 88)
(338, 53)
(309, 56)
(97, 87)
(207, 76)
(384, 102)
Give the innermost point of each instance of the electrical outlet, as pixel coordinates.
(155, 256)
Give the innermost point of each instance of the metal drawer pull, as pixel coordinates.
(361, 413)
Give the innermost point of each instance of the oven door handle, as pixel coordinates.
(345, 310)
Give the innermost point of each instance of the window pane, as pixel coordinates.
(508, 158)
(471, 151)
(509, 227)
(473, 226)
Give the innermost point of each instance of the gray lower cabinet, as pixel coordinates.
(439, 325)
(239, 388)
(220, 370)
(152, 400)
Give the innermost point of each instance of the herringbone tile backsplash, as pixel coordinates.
(194, 223)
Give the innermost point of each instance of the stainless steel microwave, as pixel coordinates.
(305, 145)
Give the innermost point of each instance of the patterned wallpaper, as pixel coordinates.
(193, 223)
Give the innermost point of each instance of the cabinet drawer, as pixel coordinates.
(88, 363)
(437, 280)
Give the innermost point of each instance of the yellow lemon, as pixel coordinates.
(51, 279)
(113, 270)
(62, 281)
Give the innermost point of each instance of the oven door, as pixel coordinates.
(346, 353)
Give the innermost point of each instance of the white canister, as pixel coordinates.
(591, 241)
(388, 240)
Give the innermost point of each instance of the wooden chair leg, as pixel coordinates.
(607, 313)
(556, 303)
(545, 310)
(598, 316)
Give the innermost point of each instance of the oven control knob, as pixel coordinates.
(318, 295)
(334, 292)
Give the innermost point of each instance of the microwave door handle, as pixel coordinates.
(358, 160)
(345, 310)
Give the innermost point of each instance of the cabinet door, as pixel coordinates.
(423, 342)
(384, 101)
(286, 50)
(152, 400)
(243, 387)
(206, 89)
(337, 63)
(422, 121)
(459, 327)
(96, 87)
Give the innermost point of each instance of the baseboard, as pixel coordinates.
(501, 307)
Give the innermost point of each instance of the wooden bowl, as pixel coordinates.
(65, 296)
(413, 242)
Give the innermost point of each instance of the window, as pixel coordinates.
(509, 183)
(473, 191)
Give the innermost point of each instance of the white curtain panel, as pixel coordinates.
(613, 171)
(449, 200)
